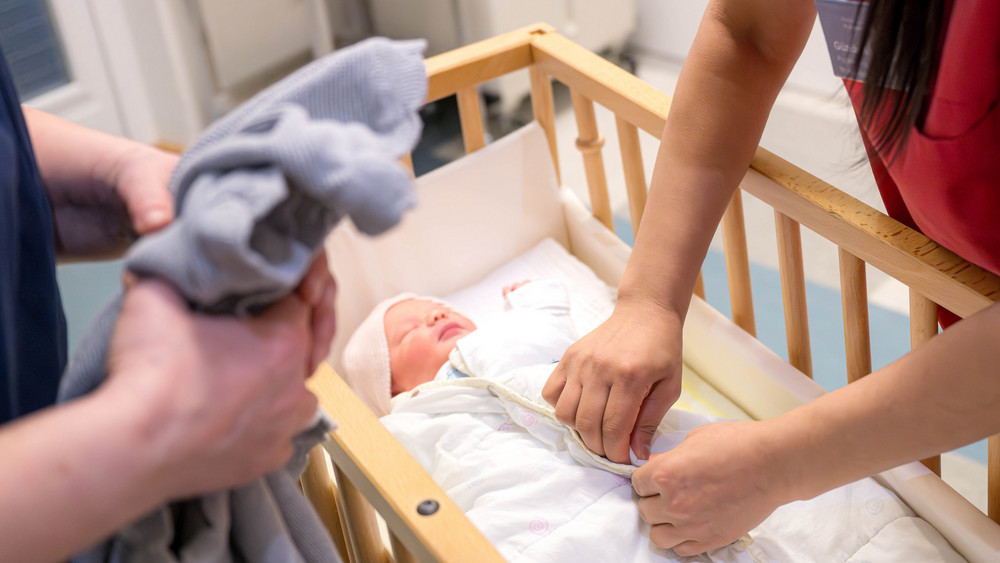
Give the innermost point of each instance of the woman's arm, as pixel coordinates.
(725, 478)
(618, 381)
(104, 190)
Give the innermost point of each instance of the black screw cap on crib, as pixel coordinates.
(428, 507)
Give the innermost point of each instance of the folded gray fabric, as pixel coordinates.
(255, 197)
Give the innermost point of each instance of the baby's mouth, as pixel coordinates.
(449, 330)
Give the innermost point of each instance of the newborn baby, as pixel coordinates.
(406, 340)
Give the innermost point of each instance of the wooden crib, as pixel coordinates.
(370, 470)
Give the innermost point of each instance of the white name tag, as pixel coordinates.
(842, 21)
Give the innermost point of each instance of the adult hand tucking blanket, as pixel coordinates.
(255, 197)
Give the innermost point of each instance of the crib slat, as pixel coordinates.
(470, 117)
(699, 286)
(734, 240)
(635, 176)
(318, 486)
(854, 297)
(399, 552)
(362, 526)
(544, 108)
(793, 292)
(923, 319)
(993, 470)
(923, 327)
(590, 142)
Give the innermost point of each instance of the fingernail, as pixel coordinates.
(155, 219)
(645, 452)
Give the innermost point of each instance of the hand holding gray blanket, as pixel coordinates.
(255, 197)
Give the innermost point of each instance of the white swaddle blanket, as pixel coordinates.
(528, 483)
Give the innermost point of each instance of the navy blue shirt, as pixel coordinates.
(32, 326)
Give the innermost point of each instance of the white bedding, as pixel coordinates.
(527, 482)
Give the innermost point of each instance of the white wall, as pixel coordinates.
(666, 28)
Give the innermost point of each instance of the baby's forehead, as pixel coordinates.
(408, 308)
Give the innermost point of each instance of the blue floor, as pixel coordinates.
(890, 331)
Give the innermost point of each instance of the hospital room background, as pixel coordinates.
(160, 71)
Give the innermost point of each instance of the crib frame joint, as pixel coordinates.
(428, 507)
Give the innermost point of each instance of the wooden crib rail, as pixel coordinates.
(922, 264)
(372, 467)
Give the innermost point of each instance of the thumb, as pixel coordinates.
(142, 185)
(651, 412)
(150, 209)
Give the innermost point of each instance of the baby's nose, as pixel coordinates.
(436, 316)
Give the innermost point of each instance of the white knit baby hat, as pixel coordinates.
(366, 358)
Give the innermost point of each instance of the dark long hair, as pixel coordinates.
(903, 37)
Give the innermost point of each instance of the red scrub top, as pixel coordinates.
(945, 181)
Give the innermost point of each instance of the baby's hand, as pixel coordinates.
(509, 288)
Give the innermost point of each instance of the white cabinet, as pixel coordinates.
(446, 24)
(246, 41)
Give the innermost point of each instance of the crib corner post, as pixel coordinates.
(544, 109)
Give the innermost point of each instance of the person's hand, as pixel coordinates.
(218, 399)
(717, 485)
(615, 384)
(319, 291)
(128, 197)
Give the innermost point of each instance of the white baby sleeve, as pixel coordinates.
(536, 330)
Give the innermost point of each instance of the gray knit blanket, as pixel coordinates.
(255, 197)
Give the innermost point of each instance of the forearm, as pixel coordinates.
(71, 157)
(941, 396)
(71, 476)
(103, 190)
(727, 86)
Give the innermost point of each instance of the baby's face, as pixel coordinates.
(421, 334)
